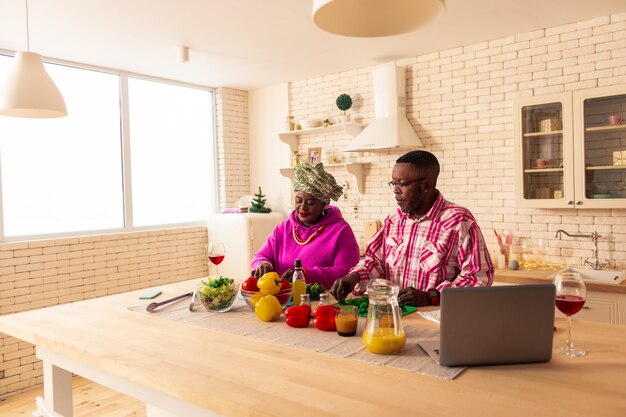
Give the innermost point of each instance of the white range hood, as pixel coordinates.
(390, 129)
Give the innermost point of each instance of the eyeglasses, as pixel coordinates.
(395, 185)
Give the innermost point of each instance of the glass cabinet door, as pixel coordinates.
(543, 152)
(602, 153)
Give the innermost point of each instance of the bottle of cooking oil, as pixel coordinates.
(298, 283)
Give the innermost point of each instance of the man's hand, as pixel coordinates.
(412, 297)
(262, 269)
(343, 286)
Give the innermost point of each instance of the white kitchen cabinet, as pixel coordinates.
(605, 307)
(570, 149)
(356, 169)
(602, 146)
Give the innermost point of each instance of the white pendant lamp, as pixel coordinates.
(28, 90)
(374, 18)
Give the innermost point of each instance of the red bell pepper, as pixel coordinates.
(298, 316)
(324, 317)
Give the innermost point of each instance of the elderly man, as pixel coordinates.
(315, 232)
(428, 244)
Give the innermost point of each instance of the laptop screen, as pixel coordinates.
(496, 325)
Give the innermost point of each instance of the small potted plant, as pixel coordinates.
(344, 102)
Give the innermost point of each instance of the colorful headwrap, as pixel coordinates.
(317, 182)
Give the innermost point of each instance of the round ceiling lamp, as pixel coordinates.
(28, 90)
(374, 18)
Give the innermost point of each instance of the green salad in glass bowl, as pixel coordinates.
(217, 294)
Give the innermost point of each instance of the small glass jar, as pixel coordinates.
(324, 300)
(305, 300)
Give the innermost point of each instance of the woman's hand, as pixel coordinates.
(262, 269)
(288, 274)
(412, 297)
(343, 286)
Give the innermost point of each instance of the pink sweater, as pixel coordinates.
(326, 257)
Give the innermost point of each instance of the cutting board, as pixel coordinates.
(405, 309)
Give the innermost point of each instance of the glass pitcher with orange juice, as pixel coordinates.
(383, 330)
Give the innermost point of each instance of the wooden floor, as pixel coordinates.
(90, 400)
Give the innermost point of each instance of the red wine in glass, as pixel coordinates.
(569, 304)
(571, 294)
(216, 253)
(216, 259)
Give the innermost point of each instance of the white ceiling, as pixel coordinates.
(248, 44)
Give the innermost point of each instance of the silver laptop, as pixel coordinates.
(494, 325)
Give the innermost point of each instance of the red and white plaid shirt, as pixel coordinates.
(445, 248)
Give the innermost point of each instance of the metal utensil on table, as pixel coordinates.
(153, 306)
(193, 301)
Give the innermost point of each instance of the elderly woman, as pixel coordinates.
(314, 232)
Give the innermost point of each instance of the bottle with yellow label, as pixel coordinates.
(298, 283)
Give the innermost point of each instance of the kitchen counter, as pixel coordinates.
(536, 277)
(186, 370)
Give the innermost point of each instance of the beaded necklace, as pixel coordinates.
(313, 236)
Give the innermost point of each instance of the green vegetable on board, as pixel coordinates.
(362, 304)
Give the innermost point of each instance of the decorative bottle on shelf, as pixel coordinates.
(290, 124)
(295, 159)
(298, 283)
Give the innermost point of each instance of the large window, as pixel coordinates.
(171, 152)
(71, 175)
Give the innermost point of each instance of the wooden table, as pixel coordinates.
(186, 370)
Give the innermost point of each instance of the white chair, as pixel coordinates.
(43, 409)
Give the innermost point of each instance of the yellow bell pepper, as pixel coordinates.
(255, 298)
(269, 283)
(268, 308)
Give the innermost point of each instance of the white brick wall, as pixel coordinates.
(44, 273)
(232, 145)
(460, 104)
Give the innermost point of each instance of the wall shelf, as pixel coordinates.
(355, 169)
(291, 137)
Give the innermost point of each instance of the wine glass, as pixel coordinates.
(215, 252)
(571, 294)
(527, 253)
(543, 253)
